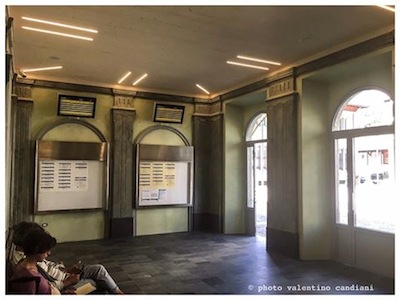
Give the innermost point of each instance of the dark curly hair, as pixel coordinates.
(37, 241)
(21, 229)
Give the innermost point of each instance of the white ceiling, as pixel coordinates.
(180, 46)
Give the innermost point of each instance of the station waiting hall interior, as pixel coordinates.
(207, 149)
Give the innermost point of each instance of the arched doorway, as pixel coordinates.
(256, 145)
(363, 134)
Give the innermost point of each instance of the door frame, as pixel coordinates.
(345, 238)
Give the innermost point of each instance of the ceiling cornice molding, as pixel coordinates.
(127, 93)
(360, 49)
(105, 91)
(252, 87)
(73, 87)
(165, 97)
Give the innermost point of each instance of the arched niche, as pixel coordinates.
(67, 129)
(168, 135)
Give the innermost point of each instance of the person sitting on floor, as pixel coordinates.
(63, 278)
(37, 246)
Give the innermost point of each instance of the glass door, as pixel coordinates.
(261, 193)
(374, 186)
(250, 211)
(256, 205)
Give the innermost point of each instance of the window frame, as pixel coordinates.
(349, 135)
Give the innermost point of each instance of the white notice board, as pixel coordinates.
(164, 183)
(70, 184)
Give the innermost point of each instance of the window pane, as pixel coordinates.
(374, 191)
(250, 177)
(257, 130)
(261, 188)
(342, 195)
(369, 108)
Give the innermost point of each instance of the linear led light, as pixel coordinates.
(59, 24)
(41, 69)
(246, 65)
(124, 77)
(387, 7)
(203, 89)
(259, 60)
(58, 33)
(140, 79)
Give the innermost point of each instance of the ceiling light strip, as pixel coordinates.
(59, 24)
(259, 60)
(246, 65)
(387, 7)
(140, 79)
(124, 77)
(42, 69)
(58, 33)
(203, 89)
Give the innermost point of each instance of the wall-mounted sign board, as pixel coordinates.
(70, 176)
(76, 106)
(164, 175)
(166, 113)
(163, 183)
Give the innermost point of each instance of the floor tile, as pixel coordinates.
(206, 263)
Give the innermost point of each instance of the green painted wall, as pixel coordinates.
(45, 112)
(74, 226)
(161, 220)
(144, 119)
(90, 225)
(235, 174)
(315, 205)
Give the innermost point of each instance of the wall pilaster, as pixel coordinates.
(122, 162)
(282, 156)
(23, 160)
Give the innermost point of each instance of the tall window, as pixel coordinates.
(364, 146)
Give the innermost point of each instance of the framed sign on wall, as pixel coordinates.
(70, 176)
(76, 106)
(164, 176)
(166, 113)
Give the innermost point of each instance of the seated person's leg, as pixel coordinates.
(103, 279)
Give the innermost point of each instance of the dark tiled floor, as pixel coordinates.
(204, 263)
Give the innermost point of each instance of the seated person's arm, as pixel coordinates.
(71, 279)
(54, 269)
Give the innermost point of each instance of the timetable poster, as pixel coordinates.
(155, 178)
(63, 176)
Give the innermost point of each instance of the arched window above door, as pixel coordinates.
(367, 108)
(257, 129)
